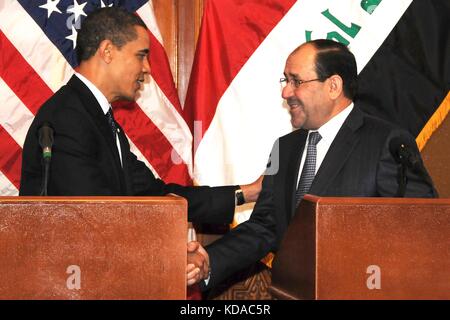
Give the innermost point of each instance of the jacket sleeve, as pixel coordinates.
(248, 242)
(205, 204)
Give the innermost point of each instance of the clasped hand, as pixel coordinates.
(197, 267)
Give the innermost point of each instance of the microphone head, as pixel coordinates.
(45, 137)
(403, 152)
(395, 146)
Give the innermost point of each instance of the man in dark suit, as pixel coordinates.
(91, 155)
(337, 151)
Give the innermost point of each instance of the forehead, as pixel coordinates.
(142, 41)
(301, 62)
(142, 35)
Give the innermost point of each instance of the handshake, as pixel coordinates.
(197, 267)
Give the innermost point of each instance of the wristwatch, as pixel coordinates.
(239, 197)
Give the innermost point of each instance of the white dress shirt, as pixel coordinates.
(328, 132)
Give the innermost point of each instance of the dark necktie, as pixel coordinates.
(112, 123)
(114, 131)
(309, 167)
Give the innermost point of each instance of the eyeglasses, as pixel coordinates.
(295, 82)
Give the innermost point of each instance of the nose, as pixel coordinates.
(287, 91)
(146, 65)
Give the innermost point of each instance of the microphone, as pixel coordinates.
(45, 136)
(406, 154)
(403, 153)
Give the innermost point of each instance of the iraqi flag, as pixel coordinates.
(234, 105)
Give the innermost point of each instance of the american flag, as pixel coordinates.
(37, 57)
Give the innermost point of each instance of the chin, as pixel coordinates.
(129, 98)
(297, 124)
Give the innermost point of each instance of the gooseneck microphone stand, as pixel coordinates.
(45, 136)
(45, 174)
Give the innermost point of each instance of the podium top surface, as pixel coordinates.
(375, 200)
(170, 199)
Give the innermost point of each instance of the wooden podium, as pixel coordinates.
(93, 247)
(365, 248)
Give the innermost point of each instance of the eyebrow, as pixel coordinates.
(146, 51)
(292, 75)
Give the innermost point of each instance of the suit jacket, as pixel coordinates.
(357, 164)
(85, 159)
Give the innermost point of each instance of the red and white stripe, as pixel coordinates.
(32, 69)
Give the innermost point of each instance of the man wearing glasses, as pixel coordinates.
(337, 151)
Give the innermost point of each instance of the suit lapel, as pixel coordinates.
(93, 108)
(297, 146)
(338, 153)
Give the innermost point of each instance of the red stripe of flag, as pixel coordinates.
(160, 71)
(231, 31)
(11, 159)
(143, 132)
(21, 77)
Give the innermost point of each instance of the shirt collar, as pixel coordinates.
(101, 99)
(329, 130)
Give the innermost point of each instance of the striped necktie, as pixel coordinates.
(309, 167)
(112, 123)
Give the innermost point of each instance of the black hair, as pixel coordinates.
(334, 58)
(112, 23)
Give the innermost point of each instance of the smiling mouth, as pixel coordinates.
(294, 105)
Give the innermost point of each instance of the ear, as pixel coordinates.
(335, 86)
(105, 51)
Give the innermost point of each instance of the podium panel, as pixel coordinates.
(365, 248)
(93, 247)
